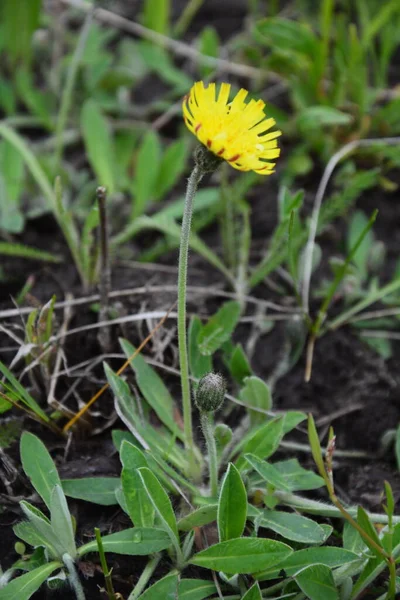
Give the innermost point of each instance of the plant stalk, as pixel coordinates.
(193, 183)
(106, 572)
(207, 428)
(73, 576)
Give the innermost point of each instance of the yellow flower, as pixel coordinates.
(236, 131)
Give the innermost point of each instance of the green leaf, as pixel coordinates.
(61, 521)
(325, 555)
(365, 522)
(219, 328)
(31, 162)
(156, 15)
(137, 541)
(39, 103)
(209, 46)
(99, 144)
(146, 172)
(143, 431)
(171, 168)
(24, 586)
(19, 24)
(15, 249)
(153, 389)
(20, 391)
(315, 117)
(317, 582)
(357, 224)
(139, 507)
(291, 419)
(196, 589)
(39, 466)
(98, 490)
(199, 517)
(315, 446)
(239, 365)
(258, 394)
(11, 186)
(287, 35)
(293, 527)
(268, 472)
(164, 589)
(296, 477)
(200, 365)
(254, 593)
(160, 501)
(352, 540)
(41, 525)
(27, 532)
(242, 555)
(232, 505)
(263, 442)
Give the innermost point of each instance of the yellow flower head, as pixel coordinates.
(236, 131)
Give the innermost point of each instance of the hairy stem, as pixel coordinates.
(207, 428)
(73, 577)
(193, 182)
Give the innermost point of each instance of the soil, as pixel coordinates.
(350, 383)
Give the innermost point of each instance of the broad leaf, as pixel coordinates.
(263, 442)
(139, 507)
(199, 364)
(153, 390)
(293, 527)
(242, 555)
(254, 593)
(317, 582)
(326, 555)
(232, 506)
(199, 517)
(164, 589)
(98, 490)
(196, 589)
(23, 587)
(296, 477)
(137, 541)
(160, 501)
(268, 472)
(39, 466)
(61, 521)
(256, 393)
(219, 328)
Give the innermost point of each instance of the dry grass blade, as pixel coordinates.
(79, 414)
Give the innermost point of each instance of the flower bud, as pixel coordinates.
(211, 392)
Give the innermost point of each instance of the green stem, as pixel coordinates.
(193, 182)
(207, 428)
(104, 566)
(73, 577)
(391, 595)
(145, 576)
